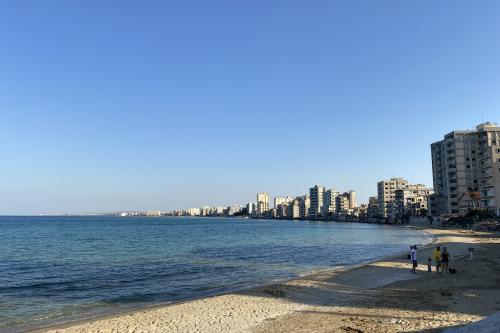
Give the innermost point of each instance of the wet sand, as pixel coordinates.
(382, 296)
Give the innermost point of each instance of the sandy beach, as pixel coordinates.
(382, 296)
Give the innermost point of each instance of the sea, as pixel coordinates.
(55, 269)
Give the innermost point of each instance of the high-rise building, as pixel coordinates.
(386, 190)
(304, 206)
(262, 203)
(294, 209)
(316, 196)
(343, 203)
(330, 202)
(466, 170)
(352, 199)
(251, 208)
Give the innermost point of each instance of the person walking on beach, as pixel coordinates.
(413, 256)
(437, 258)
(445, 259)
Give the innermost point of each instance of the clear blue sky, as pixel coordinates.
(114, 105)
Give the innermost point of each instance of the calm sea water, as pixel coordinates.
(54, 269)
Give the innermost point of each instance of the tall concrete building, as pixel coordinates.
(386, 190)
(294, 209)
(316, 196)
(346, 202)
(251, 208)
(343, 203)
(352, 199)
(304, 206)
(262, 202)
(466, 170)
(330, 202)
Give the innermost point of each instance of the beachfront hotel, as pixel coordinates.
(466, 170)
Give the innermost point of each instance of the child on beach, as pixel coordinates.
(429, 265)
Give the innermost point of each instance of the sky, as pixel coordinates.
(157, 105)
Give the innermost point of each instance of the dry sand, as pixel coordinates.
(379, 297)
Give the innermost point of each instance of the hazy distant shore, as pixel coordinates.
(339, 300)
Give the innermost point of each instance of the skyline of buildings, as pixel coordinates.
(466, 176)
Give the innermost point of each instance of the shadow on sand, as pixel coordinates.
(386, 292)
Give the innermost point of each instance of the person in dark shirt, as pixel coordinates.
(445, 259)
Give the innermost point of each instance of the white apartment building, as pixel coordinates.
(262, 203)
(282, 201)
(193, 211)
(465, 163)
(316, 199)
(294, 209)
(352, 199)
(330, 202)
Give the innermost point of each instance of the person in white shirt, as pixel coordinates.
(413, 256)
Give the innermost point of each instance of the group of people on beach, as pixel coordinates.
(441, 260)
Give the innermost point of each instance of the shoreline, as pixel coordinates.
(57, 327)
(381, 296)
